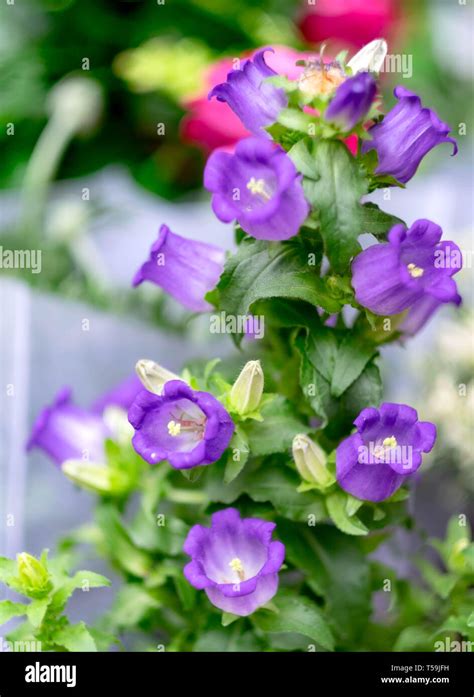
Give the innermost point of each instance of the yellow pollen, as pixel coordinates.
(390, 442)
(258, 187)
(236, 565)
(174, 429)
(415, 271)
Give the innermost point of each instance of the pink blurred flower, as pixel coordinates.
(354, 22)
(213, 124)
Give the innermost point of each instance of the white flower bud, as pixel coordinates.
(76, 102)
(369, 58)
(153, 376)
(247, 390)
(96, 477)
(310, 460)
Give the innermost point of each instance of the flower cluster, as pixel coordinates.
(314, 143)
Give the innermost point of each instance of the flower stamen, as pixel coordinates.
(174, 428)
(258, 187)
(237, 566)
(415, 271)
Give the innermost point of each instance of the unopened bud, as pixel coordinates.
(77, 102)
(247, 390)
(310, 460)
(98, 478)
(153, 376)
(370, 57)
(33, 575)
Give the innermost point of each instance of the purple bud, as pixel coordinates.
(352, 101)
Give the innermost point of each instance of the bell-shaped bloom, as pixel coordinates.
(186, 269)
(212, 124)
(420, 313)
(392, 276)
(120, 396)
(185, 427)
(235, 561)
(352, 101)
(64, 431)
(259, 187)
(406, 134)
(387, 447)
(256, 102)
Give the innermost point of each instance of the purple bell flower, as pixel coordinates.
(374, 462)
(235, 561)
(259, 187)
(413, 265)
(352, 101)
(255, 102)
(65, 431)
(406, 134)
(420, 313)
(187, 428)
(186, 269)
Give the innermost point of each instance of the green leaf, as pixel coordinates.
(75, 637)
(278, 484)
(336, 568)
(9, 609)
(237, 456)
(275, 434)
(352, 357)
(118, 543)
(333, 184)
(7, 569)
(36, 610)
(66, 587)
(226, 640)
(377, 222)
(228, 618)
(442, 584)
(337, 509)
(262, 270)
(296, 614)
(337, 415)
(295, 119)
(131, 605)
(186, 592)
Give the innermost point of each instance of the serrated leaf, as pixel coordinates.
(336, 568)
(36, 611)
(333, 184)
(261, 270)
(296, 614)
(352, 356)
(377, 222)
(75, 637)
(9, 609)
(276, 432)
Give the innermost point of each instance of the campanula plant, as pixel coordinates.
(253, 493)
